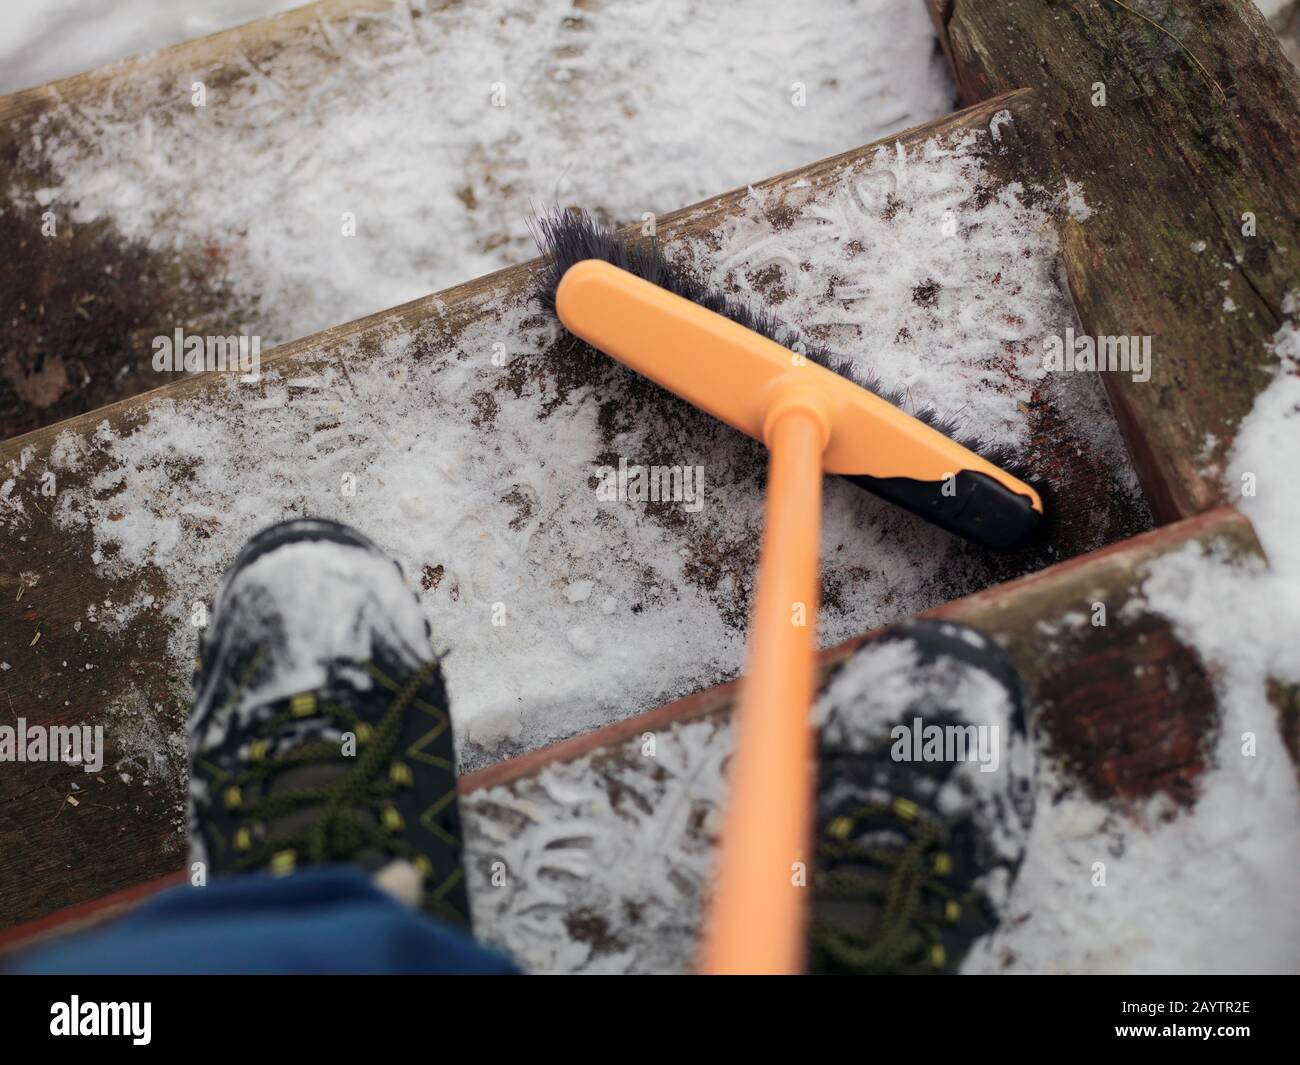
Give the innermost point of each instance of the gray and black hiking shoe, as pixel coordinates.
(320, 731)
(924, 801)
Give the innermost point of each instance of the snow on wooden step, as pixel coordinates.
(594, 855)
(1150, 814)
(330, 162)
(466, 437)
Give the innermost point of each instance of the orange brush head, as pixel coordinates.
(742, 377)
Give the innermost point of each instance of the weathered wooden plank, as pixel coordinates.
(1192, 170)
(225, 218)
(1127, 711)
(81, 305)
(84, 916)
(65, 667)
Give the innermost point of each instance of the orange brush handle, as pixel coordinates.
(756, 916)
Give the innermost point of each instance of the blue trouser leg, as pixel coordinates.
(330, 919)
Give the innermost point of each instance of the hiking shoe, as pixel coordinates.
(924, 801)
(320, 731)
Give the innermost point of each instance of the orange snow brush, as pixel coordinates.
(812, 421)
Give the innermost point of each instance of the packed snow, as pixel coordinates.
(49, 39)
(601, 865)
(427, 131)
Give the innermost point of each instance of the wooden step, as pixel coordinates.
(1190, 169)
(82, 303)
(594, 854)
(71, 660)
(226, 218)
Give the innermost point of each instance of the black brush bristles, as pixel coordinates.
(567, 237)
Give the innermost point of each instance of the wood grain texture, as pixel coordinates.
(1179, 154)
(53, 854)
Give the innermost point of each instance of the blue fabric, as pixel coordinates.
(326, 920)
